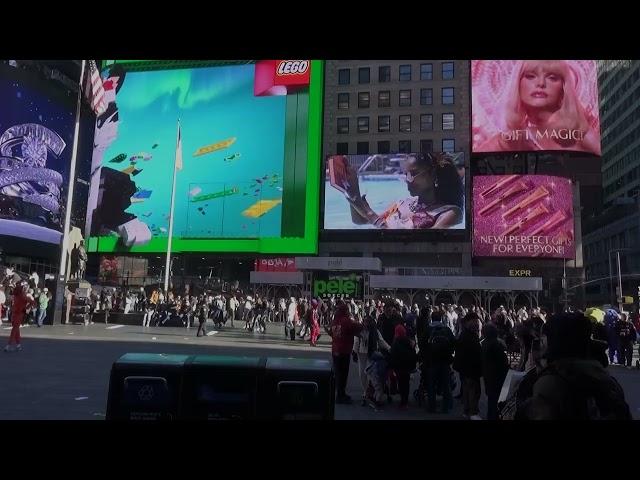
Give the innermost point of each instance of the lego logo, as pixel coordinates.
(293, 67)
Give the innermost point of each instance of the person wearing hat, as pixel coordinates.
(43, 304)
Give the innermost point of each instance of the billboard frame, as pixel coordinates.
(306, 244)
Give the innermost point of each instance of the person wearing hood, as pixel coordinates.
(495, 366)
(571, 385)
(342, 331)
(402, 360)
(468, 363)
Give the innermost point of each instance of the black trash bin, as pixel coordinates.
(219, 387)
(145, 386)
(297, 389)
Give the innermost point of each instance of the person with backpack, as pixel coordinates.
(626, 338)
(495, 366)
(402, 359)
(572, 385)
(468, 363)
(439, 347)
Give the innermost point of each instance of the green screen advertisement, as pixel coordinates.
(249, 164)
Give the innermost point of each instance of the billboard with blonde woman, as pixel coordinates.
(535, 105)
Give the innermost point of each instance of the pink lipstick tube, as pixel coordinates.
(500, 183)
(530, 217)
(515, 189)
(536, 195)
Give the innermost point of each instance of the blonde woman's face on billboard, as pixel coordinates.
(541, 87)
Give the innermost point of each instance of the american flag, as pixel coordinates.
(94, 90)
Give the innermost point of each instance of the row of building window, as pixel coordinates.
(404, 98)
(404, 146)
(615, 170)
(404, 73)
(600, 248)
(623, 143)
(622, 108)
(631, 118)
(404, 123)
(614, 84)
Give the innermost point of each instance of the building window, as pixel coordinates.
(343, 125)
(384, 74)
(363, 124)
(384, 123)
(342, 148)
(363, 99)
(404, 123)
(448, 121)
(362, 148)
(404, 146)
(426, 122)
(343, 101)
(447, 71)
(344, 76)
(426, 96)
(449, 145)
(405, 73)
(426, 146)
(447, 96)
(404, 99)
(384, 146)
(384, 98)
(363, 75)
(426, 71)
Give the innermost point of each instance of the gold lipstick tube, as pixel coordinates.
(536, 195)
(516, 188)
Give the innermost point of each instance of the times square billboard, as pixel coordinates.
(523, 216)
(535, 105)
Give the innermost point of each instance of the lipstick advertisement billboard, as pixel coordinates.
(535, 105)
(523, 216)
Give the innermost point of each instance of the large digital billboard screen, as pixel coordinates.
(523, 216)
(416, 191)
(36, 141)
(535, 105)
(250, 162)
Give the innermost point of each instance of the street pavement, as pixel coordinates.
(63, 371)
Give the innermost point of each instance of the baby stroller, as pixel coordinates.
(378, 374)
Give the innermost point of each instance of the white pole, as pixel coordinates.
(62, 272)
(173, 196)
(72, 181)
(619, 281)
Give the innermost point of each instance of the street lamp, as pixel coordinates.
(619, 294)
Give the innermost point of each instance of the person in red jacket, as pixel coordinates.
(342, 331)
(18, 309)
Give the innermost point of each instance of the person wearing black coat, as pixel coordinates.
(495, 366)
(468, 363)
(402, 358)
(388, 320)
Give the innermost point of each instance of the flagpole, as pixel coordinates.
(173, 197)
(62, 271)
